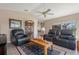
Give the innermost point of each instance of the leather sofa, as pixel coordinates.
(63, 38)
(3, 41)
(18, 37)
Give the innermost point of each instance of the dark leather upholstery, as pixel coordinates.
(18, 37)
(62, 38)
(3, 41)
(68, 38)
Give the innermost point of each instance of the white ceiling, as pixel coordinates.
(59, 9)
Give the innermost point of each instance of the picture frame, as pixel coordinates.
(14, 24)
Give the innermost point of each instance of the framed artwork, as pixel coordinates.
(13, 23)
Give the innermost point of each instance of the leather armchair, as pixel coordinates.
(53, 33)
(18, 37)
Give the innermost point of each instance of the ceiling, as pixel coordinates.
(59, 9)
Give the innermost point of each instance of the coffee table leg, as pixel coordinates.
(51, 47)
(45, 50)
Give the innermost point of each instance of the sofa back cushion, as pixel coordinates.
(51, 31)
(56, 27)
(66, 32)
(19, 33)
(15, 32)
(68, 37)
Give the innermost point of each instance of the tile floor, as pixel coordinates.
(11, 50)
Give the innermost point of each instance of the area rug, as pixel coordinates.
(36, 50)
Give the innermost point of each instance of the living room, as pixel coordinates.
(39, 21)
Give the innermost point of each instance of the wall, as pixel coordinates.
(64, 19)
(4, 21)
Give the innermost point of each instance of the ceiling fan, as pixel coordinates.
(44, 13)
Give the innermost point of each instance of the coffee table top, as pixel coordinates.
(41, 42)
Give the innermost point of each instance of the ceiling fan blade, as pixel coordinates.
(38, 12)
(50, 13)
(26, 10)
(47, 10)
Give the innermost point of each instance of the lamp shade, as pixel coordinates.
(29, 23)
(43, 29)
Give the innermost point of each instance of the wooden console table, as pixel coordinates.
(42, 43)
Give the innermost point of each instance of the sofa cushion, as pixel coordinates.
(51, 31)
(66, 32)
(68, 37)
(65, 36)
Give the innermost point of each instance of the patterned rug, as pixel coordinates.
(36, 50)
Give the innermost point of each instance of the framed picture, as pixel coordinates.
(13, 23)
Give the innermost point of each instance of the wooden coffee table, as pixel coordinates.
(42, 43)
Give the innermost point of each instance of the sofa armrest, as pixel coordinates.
(46, 35)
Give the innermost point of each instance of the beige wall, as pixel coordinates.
(4, 21)
(64, 19)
